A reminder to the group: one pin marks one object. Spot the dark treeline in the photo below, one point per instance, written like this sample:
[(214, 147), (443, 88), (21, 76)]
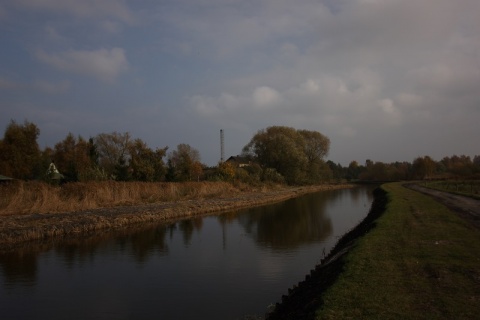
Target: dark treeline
[(422, 168), (277, 154)]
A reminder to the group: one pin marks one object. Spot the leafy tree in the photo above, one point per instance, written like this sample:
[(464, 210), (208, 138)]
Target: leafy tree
[(146, 164), (282, 149), (196, 170), (92, 151), (72, 158), (184, 164), (227, 170), (19, 152), (380, 171), (336, 169), (423, 167), (354, 170), (46, 157), (121, 172), (271, 175), (458, 165), (402, 170), (316, 145), (295, 154), (476, 164)]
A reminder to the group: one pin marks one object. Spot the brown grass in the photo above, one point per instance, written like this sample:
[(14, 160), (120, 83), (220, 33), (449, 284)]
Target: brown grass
[(21, 197), (38, 211)]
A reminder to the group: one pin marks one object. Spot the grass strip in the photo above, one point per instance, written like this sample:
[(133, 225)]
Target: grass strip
[(421, 261)]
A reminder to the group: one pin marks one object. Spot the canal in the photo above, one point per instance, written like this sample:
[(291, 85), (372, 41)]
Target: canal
[(230, 266)]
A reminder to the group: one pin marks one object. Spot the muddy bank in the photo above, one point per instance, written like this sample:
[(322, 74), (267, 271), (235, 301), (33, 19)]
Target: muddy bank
[(17, 229), (304, 299)]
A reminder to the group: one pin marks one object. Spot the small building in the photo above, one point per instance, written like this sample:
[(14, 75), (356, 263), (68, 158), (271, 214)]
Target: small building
[(5, 179), (239, 161), (53, 172)]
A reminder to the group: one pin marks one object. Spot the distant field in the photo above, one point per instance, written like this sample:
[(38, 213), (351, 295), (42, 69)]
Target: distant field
[(420, 262), (469, 188)]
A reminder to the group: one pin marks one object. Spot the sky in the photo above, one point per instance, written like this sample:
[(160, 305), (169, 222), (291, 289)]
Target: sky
[(385, 80)]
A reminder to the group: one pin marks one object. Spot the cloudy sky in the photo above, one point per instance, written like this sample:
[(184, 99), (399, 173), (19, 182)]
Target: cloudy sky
[(386, 80)]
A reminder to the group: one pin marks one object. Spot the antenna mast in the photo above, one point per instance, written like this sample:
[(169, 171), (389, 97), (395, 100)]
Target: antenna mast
[(222, 150)]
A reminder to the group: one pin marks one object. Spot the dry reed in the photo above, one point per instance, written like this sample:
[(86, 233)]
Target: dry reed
[(38, 211), (21, 197)]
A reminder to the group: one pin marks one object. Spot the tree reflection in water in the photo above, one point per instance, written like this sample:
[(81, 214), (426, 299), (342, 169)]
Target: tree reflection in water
[(283, 226), (294, 223)]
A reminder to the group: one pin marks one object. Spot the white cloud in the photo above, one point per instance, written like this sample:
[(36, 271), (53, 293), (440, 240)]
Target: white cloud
[(264, 97), (391, 113), (387, 106), (233, 28), (310, 86), (103, 64), (341, 104), (366, 73)]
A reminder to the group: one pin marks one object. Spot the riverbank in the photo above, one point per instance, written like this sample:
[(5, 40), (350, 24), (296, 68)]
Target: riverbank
[(18, 228), (412, 258), (303, 300)]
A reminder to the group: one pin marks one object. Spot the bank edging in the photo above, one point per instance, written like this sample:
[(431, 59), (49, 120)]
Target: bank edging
[(304, 299)]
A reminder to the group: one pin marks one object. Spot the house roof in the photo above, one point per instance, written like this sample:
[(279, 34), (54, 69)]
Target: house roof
[(238, 159)]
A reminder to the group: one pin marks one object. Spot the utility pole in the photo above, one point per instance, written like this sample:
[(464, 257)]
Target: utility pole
[(222, 150)]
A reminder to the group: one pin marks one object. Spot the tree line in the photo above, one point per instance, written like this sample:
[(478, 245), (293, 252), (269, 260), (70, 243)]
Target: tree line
[(422, 168), (276, 154), (107, 156)]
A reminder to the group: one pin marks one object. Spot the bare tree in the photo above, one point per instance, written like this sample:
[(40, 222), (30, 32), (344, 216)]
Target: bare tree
[(112, 149)]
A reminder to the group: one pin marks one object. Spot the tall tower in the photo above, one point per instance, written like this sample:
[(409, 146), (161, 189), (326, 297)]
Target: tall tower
[(222, 150)]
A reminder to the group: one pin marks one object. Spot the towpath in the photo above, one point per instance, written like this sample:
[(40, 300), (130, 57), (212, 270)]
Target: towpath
[(466, 207)]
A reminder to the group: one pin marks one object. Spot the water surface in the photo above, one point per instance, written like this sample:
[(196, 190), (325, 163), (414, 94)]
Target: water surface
[(215, 267)]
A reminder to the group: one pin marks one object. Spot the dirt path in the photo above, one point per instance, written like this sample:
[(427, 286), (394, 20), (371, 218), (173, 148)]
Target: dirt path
[(465, 207)]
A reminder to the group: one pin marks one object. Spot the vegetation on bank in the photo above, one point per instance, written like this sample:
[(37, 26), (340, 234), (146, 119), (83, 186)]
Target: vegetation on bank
[(26, 197), (277, 154), (469, 188), (55, 219), (419, 262)]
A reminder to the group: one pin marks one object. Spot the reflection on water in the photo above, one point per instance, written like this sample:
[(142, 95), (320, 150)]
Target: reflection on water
[(216, 267), (291, 224)]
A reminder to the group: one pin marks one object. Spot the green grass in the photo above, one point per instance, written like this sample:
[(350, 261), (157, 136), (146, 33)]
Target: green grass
[(469, 188), (420, 262)]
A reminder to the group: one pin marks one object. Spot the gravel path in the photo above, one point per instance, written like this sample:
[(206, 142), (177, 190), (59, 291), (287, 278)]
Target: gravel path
[(465, 207)]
